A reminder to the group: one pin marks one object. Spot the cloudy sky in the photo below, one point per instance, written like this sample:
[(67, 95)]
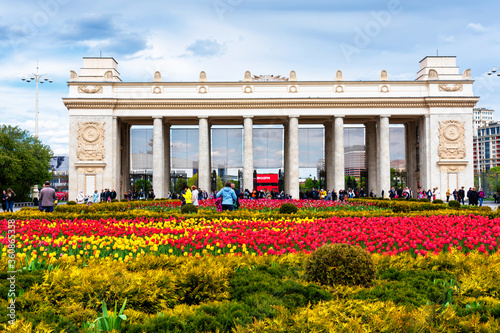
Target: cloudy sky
[(227, 37)]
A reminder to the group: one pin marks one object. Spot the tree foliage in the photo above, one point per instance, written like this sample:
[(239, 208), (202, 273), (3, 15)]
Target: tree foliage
[(24, 161)]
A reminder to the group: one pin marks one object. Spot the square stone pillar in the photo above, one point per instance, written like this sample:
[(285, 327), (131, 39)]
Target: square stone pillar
[(286, 157), (424, 144), (158, 158), (339, 153), (412, 148), (293, 160), (125, 178), (248, 153), (371, 157), (116, 183), (167, 165), (329, 156), (204, 154), (384, 155)]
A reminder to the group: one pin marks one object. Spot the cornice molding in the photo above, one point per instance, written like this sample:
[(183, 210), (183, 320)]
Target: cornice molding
[(319, 103)]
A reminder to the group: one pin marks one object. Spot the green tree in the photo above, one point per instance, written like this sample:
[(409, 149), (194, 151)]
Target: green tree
[(193, 180), (309, 183), (24, 161), (143, 184), (350, 182)]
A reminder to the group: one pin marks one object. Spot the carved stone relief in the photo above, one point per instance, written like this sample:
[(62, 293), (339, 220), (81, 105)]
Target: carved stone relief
[(455, 87), (451, 139), (90, 141), (87, 90)]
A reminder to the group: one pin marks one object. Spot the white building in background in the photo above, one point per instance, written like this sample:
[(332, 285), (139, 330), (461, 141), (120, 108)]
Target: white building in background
[(436, 110), (487, 147), (482, 117)]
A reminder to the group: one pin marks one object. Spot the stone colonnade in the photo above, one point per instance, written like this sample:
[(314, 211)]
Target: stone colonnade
[(377, 154)]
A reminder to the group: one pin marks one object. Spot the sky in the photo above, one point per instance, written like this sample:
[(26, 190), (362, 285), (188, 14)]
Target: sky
[(227, 37)]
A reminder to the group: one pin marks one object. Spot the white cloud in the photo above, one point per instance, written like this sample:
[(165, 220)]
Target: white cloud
[(476, 27)]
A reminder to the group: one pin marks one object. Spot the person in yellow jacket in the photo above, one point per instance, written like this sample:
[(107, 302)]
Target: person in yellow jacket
[(186, 195), (448, 193)]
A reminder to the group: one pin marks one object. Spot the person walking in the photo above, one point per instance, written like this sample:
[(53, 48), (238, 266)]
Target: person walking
[(186, 195), (448, 193), (95, 197), (4, 201), (461, 195), (236, 204), (194, 195), (10, 200), (80, 198), (480, 196), (228, 196), (47, 197)]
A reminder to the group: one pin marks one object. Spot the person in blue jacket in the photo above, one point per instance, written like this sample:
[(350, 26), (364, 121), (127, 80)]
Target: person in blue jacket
[(228, 196)]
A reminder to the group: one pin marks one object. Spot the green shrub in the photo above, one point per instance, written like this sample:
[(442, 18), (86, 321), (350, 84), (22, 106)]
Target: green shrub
[(409, 287), (71, 203), (114, 200), (340, 264), (189, 208), (424, 200), (438, 201), (123, 200), (412, 199), (288, 208), (454, 204), (485, 208)]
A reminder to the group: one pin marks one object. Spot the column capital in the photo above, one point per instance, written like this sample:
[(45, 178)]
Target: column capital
[(293, 116), (202, 117), (339, 116), (249, 117), (157, 117), (385, 116)]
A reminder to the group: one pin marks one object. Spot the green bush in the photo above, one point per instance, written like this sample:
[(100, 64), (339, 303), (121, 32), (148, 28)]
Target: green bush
[(288, 208), (424, 200), (340, 264), (189, 208), (438, 201), (412, 199), (71, 203), (123, 200), (485, 208), (454, 204), (408, 287), (114, 200)]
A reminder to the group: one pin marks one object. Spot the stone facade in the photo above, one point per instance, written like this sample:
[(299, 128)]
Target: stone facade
[(436, 110)]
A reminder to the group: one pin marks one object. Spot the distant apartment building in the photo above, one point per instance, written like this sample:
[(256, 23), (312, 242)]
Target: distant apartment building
[(354, 159), (482, 117), (486, 147)]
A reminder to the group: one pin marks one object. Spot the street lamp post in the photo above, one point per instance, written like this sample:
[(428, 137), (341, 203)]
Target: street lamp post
[(494, 70), (38, 78)]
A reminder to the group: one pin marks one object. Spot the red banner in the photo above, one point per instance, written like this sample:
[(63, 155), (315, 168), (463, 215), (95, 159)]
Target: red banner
[(267, 178), (270, 188)]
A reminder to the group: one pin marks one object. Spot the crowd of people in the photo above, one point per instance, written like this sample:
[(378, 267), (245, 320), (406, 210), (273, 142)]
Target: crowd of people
[(228, 197)]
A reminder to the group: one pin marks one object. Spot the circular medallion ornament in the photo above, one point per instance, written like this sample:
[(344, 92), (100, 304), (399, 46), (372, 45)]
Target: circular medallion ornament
[(91, 134), (452, 132)]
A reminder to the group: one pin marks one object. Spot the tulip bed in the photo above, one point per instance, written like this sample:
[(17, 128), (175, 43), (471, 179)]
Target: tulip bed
[(126, 239), (273, 205)]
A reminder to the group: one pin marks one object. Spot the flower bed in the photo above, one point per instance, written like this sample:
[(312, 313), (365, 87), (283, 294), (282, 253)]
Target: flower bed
[(127, 238)]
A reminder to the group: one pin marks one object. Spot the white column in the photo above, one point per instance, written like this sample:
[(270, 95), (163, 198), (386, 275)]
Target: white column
[(248, 153), (293, 152), (125, 159), (166, 148), (425, 177), (339, 153), (116, 156), (329, 156), (286, 157), (371, 157), (385, 155), (204, 154), (158, 158)]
